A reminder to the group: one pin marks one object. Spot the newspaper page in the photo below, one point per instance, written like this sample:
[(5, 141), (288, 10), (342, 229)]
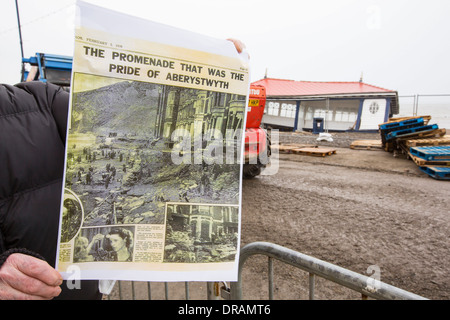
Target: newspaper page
[(152, 185)]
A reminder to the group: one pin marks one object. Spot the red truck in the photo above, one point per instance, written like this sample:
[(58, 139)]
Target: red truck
[(257, 141)]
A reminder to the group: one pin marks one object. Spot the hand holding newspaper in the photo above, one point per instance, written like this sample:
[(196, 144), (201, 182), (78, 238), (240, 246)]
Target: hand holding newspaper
[(152, 185)]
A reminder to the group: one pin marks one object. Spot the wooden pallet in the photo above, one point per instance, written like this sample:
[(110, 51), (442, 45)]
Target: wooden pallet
[(403, 124), (398, 119), (366, 144), (287, 148), (432, 153), (436, 166), (440, 173), (390, 146), (424, 135), (425, 163), (422, 162), (433, 141), (413, 132), (318, 151)]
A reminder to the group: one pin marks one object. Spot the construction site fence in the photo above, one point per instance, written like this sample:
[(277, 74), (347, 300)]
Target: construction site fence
[(436, 105), (368, 287)]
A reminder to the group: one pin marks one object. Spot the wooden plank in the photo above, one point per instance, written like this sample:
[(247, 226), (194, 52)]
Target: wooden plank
[(424, 134), (366, 144), (389, 146), (318, 152), (287, 148), (425, 118), (424, 163), (305, 149), (433, 141)]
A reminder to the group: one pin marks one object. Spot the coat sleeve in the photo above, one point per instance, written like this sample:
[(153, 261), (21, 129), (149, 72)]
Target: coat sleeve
[(57, 99), (60, 110)]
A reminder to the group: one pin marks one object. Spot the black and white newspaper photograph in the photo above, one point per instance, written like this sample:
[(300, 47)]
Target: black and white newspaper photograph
[(152, 182)]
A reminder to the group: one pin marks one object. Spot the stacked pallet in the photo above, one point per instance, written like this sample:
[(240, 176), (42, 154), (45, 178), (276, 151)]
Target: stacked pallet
[(426, 144)]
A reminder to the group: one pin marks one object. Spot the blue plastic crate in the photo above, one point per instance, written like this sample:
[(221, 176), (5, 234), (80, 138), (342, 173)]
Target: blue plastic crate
[(409, 131), (431, 153), (440, 173), (393, 126), (402, 124)]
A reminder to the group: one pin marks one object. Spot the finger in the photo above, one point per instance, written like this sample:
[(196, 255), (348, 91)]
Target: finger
[(9, 293), (239, 45), (35, 268), (24, 287)]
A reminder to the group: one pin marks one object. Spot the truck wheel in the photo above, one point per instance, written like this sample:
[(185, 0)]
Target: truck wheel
[(251, 170)]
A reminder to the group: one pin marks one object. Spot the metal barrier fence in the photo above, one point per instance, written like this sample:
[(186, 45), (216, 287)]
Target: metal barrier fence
[(367, 286), (424, 101), (435, 105), (132, 290)]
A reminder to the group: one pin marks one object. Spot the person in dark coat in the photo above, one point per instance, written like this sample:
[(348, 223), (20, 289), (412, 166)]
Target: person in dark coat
[(33, 125), (33, 122)]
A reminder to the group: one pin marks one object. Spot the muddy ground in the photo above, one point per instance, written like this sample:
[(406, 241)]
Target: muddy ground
[(355, 209), (358, 209)]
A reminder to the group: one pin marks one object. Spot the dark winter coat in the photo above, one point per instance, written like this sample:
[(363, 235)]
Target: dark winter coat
[(33, 121)]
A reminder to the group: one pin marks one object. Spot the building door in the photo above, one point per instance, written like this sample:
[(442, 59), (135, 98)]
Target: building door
[(372, 114)]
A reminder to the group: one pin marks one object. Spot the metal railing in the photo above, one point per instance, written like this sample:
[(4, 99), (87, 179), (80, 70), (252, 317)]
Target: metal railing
[(366, 286), (423, 110), (134, 290)]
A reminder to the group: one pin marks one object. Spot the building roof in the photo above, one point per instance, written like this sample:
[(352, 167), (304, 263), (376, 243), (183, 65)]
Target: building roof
[(291, 88)]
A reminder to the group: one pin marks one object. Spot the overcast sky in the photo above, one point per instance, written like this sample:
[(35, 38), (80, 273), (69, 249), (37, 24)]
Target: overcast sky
[(398, 44)]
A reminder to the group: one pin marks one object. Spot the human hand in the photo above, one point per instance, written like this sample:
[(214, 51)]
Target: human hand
[(98, 236), (238, 44), (23, 277)]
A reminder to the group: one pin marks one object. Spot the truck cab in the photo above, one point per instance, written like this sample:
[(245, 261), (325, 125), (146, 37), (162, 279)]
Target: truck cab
[(257, 149)]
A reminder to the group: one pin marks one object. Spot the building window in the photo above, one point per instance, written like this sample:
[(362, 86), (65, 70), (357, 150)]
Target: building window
[(287, 110), (309, 113), (319, 113), (322, 113), (345, 116), (273, 108)]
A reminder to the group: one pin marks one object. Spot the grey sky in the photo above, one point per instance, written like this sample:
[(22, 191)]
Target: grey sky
[(399, 44)]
